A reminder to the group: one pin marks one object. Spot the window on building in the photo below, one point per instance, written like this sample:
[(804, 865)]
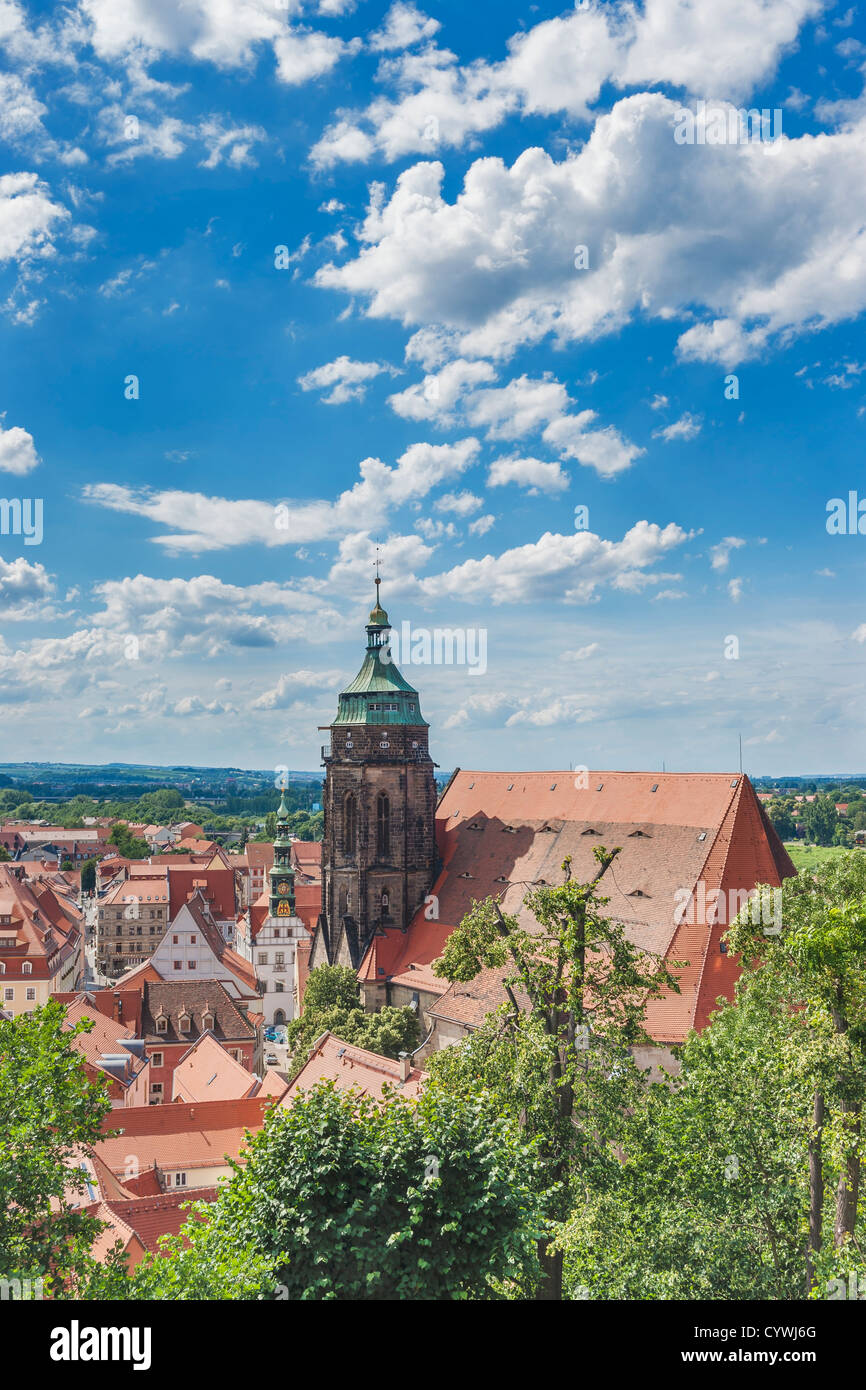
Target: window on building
[(350, 823), (180, 1179), (192, 964), (383, 826), (178, 964), (192, 940), (30, 994), (156, 1061), (162, 1024), (156, 1088), (175, 941), (262, 958), (27, 968), (8, 995), (279, 987)]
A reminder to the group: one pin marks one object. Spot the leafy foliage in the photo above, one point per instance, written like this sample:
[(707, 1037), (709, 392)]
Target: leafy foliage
[(50, 1111), (347, 1199), (332, 1001)]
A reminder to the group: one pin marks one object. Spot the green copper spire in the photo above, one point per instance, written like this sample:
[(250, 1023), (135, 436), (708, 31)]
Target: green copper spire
[(379, 694)]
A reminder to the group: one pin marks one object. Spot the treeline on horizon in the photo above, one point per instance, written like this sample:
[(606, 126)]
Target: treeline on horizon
[(167, 805)]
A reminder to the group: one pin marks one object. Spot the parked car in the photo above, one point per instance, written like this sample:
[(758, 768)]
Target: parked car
[(271, 1059)]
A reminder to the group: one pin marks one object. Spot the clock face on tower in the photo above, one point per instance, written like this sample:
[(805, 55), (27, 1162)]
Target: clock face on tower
[(282, 888)]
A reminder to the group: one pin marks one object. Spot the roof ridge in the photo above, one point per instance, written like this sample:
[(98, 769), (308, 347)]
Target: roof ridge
[(733, 804)]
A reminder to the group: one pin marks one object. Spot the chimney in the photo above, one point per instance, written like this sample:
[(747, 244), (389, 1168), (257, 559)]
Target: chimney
[(405, 1066)]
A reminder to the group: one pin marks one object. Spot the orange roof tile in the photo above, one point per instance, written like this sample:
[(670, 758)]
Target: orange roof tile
[(352, 1068)]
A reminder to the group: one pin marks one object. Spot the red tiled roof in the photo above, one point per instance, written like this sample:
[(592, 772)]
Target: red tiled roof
[(163, 1215), (207, 1072), (352, 1068), (308, 903), (218, 886), (260, 854), (501, 833), (186, 1136)]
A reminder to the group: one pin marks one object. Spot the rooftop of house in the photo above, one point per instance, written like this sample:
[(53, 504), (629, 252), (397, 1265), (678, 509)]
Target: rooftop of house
[(207, 1072), (180, 1136), (206, 1006), (35, 922), (104, 1041), (353, 1068)]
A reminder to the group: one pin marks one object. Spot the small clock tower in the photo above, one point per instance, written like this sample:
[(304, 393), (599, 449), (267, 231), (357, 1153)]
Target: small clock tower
[(282, 875)]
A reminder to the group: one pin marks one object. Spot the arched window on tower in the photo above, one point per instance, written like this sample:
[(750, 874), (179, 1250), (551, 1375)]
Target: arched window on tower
[(350, 823), (383, 826)]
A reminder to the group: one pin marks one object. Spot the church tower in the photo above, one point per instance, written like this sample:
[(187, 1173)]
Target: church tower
[(379, 850)]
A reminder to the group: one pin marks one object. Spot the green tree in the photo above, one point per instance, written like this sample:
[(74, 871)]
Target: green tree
[(88, 876), (576, 990), (782, 818), (210, 1259), (50, 1111), (347, 1199), (332, 1002), (818, 964), (819, 818), (710, 1198), (127, 844), (13, 797)]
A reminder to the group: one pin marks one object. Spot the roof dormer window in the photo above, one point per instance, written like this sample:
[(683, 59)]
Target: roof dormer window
[(183, 1021), (162, 1024)]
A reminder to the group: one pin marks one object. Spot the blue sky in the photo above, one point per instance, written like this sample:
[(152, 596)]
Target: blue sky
[(423, 363)]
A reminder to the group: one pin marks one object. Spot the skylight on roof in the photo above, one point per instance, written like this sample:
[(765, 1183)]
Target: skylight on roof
[(654, 787)]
